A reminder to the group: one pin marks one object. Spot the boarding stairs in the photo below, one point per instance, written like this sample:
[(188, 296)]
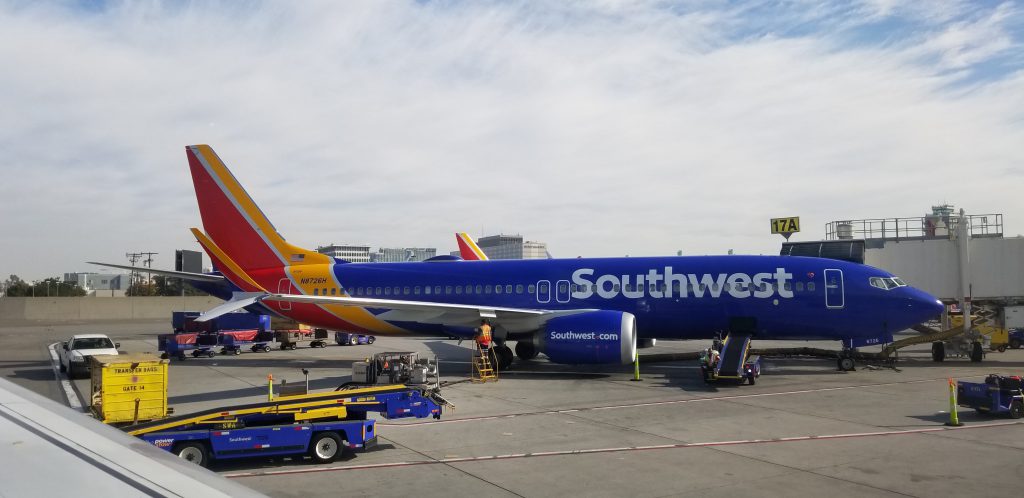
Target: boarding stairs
[(733, 356), (483, 369)]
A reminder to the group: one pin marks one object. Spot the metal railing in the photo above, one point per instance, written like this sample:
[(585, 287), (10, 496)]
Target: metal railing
[(921, 227)]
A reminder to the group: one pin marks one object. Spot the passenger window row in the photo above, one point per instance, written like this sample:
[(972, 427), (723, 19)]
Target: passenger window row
[(531, 289), (690, 288)]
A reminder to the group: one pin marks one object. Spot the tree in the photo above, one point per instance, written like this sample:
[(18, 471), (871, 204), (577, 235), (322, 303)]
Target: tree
[(52, 287), (16, 287)]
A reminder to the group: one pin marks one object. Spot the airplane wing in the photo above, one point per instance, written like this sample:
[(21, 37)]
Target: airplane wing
[(512, 319), (199, 277), (52, 450)]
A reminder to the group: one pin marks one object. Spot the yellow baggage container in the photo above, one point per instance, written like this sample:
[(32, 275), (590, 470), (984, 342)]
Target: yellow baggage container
[(128, 388)]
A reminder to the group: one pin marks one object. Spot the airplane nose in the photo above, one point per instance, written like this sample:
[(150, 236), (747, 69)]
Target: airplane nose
[(924, 306)]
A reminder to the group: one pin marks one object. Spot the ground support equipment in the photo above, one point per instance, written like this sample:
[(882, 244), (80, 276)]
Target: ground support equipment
[(395, 367), (352, 339), (176, 345), (483, 369), (998, 395), (733, 363), (319, 424), (232, 341)]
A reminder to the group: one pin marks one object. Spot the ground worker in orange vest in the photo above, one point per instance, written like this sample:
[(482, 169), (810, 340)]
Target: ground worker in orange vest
[(483, 335)]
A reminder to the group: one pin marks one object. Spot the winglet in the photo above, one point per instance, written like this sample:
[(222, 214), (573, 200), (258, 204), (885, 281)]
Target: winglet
[(468, 249)]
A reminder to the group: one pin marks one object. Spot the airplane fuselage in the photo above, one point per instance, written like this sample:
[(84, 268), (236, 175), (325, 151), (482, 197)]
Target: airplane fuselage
[(779, 297)]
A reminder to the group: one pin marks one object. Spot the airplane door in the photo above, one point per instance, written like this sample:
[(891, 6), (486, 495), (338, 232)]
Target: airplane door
[(543, 291), (284, 286), (834, 292), (562, 291)]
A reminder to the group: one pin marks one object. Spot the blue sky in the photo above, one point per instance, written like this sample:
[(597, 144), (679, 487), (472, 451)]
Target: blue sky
[(603, 127)]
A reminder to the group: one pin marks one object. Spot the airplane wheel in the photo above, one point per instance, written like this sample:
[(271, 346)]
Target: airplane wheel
[(505, 357), (938, 351), (526, 350), (977, 353), (846, 364)]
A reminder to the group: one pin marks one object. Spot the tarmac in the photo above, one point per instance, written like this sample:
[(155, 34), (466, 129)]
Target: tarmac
[(805, 429)]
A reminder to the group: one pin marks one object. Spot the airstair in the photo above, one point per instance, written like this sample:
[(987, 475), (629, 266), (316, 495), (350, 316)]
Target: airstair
[(483, 369)]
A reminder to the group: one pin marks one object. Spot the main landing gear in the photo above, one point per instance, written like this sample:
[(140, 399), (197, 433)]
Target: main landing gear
[(502, 356), (525, 350)]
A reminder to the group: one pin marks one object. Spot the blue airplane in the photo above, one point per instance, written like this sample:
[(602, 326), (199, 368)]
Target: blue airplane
[(584, 310)]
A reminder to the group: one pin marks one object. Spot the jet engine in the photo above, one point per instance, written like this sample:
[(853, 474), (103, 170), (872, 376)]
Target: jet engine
[(591, 337)]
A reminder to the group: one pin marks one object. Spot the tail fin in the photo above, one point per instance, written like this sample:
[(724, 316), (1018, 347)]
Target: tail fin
[(234, 222), (226, 265), (468, 249)]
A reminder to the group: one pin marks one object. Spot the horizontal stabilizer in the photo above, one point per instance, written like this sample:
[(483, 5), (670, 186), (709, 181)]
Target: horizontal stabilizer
[(198, 277), (238, 301)]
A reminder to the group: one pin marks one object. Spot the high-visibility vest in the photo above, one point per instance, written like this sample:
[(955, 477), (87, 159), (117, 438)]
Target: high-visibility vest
[(485, 335)]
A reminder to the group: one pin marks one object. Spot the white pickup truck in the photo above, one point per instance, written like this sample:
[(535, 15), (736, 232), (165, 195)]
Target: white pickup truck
[(74, 354)]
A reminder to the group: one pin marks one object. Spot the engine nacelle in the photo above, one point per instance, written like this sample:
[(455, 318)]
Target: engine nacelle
[(591, 337)]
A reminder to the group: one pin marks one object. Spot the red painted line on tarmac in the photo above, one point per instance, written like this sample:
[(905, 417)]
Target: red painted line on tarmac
[(618, 450), (655, 403)]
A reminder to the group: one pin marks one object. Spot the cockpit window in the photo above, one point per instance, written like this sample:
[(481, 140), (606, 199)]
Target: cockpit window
[(886, 283)]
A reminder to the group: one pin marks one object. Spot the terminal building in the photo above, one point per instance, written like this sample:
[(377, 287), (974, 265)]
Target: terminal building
[(362, 253), (399, 254), (511, 247), (100, 284), (954, 256), (352, 253)]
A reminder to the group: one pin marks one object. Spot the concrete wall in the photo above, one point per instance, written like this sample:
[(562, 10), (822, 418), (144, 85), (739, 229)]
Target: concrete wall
[(996, 267), (75, 309)]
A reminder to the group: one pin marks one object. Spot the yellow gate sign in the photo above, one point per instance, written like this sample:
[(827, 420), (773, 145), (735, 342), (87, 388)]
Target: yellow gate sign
[(786, 226)]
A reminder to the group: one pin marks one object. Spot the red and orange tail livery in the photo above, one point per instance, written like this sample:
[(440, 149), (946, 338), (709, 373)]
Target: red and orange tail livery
[(233, 221), (468, 249)]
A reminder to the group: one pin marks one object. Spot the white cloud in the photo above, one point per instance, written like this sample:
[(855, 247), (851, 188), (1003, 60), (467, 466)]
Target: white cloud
[(604, 129)]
